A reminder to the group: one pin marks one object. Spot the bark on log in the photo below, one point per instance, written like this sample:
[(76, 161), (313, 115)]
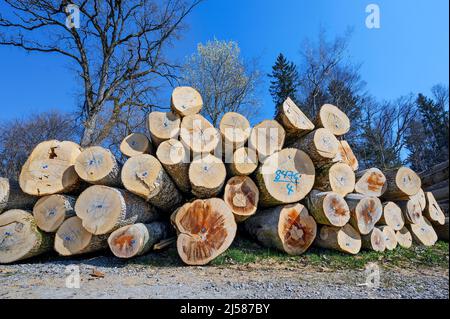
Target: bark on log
[(345, 239), (412, 210), (136, 144), (371, 182), (143, 175), (423, 233), (198, 134), (186, 101), (404, 238), (242, 196), (441, 193), (285, 177), (207, 175), (235, 131), (436, 186), (51, 211), (333, 119), (328, 208), (50, 169), (345, 155), (12, 197), (288, 228), (337, 177), (294, 121), (206, 228), (442, 231), (266, 138), (436, 174), (244, 162), (401, 183), (20, 238), (433, 211), (392, 216), (390, 238), (163, 126), (104, 209), (375, 240), (365, 212)]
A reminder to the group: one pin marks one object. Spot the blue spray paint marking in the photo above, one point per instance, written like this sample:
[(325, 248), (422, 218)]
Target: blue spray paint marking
[(289, 177)]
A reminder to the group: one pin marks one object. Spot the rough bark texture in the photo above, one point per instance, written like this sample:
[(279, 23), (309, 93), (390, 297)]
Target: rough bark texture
[(242, 196), (51, 211), (345, 239), (442, 230), (328, 208), (335, 177), (12, 197)]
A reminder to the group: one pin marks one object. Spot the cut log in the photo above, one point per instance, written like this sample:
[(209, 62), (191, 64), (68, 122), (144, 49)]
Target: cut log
[(288, 228), (375, 240), (404, 238), (242, 196), (20, 238), (235, 131), (328, 208), (97, 165), (412, 210), (371, 182), (51, 211), (390, 238), (72, 239), (50, 169), (337, 177), (294, 121), (433, 211), (344, 239), (186, 101), (285, 177), (401, 183), (163, 126), (12, 197), (392, 216), (345, 155), (267, 138), (365, 212), (441, 193), (104, 209), (434, 175), (198, 134), (421, 199), (135, 240), (175, 159), (423, 233), (333, 119), (442, 230), (207, 175), (136, 144), (321, 145), (245, 162), (433, 187), (206, 228), (143, 175)]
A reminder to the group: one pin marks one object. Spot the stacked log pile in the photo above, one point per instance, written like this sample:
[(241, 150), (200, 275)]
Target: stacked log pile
[(291, 182)]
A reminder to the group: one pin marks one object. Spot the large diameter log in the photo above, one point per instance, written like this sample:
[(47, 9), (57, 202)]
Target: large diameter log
[(207, 175), (135, 240), (136, 144), (244, 162), (294, 121), (371, 182), (365, 212), (434, 175), (442, 231), (321, 145), (412, 210), (401, 183), (285, 177), (392, 216), (198, 134), (333, 119), (423, 233), (242, 196), (235, 131), (345, 155), (328, 208), (73, 239), (143, 175), (175, 159), (206, 228), (51, 211), (12, 197), (345, 239), (433, 211), (97, 165), (404, 238), (20, 238), (163, 126), (288, 228), (104, 209), (267, 138), (390, 238), (375, 240), (338, 178), (186, 101), (50, 169)]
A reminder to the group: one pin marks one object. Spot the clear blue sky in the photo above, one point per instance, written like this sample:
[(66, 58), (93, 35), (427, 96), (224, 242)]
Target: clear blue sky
[(410, 52)]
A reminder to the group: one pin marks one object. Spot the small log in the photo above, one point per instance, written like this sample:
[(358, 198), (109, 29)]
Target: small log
[(206, 228), (51, 211), (207, 175), (392, 216), (404, 238), (328, 208), (12, 197), (285, 177), (371, 182), (337, 177), (423, 233), (401, 183), (333, 119), (294, 121), (266, 138), (345, 155), (242, 196), (143, 175), (288, 228), (72, 239), (186, 101), (198, 134), (50, 169), (412, 210), (344, 239), (375, 240), (365, 212), (244, 162), (20, 238), (135, 240), (389, 237), (442, 230), (104, 209), (97, 165), (175, 159), (136, 144), (163, 126), (235, 131), (433, 211)]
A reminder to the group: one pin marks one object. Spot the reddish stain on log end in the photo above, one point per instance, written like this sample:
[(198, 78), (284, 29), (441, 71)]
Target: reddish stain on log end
[(124, 241), (375, 182)]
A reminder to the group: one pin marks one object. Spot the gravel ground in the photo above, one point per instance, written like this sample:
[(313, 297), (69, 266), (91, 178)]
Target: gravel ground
[(119, 279)]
